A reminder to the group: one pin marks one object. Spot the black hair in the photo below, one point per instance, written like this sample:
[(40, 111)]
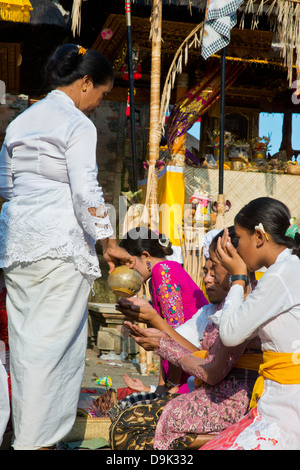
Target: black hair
[(275, 218), (66, 65), (233, 238), (141, 239)]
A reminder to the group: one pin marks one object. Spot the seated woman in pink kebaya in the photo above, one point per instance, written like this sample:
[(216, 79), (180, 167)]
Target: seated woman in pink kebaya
[(175, 296)]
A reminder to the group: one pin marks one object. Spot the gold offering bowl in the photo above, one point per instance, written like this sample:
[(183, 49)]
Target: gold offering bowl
[(259, 154), (124, 281)]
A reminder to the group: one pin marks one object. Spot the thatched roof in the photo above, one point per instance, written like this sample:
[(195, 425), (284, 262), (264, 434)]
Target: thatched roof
[(284, 20), (189, 4)]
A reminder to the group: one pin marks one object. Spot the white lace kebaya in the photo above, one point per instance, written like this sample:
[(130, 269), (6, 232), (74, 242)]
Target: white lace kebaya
[(48, 175)]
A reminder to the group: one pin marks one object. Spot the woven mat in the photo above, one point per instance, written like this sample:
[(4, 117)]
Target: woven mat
[(240, 187)]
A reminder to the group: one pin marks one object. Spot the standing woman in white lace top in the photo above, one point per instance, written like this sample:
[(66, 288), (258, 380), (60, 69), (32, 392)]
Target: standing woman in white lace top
[(54, 213)]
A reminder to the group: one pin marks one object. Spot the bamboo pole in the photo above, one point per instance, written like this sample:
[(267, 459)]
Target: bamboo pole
[(154, 128)]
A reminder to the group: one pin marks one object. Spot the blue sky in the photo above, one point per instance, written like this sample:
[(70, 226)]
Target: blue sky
[(272, 123), (269, 124)]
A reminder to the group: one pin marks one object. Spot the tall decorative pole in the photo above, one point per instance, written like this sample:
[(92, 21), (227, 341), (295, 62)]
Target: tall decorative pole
[(154, 125), (221, 197), (154, 142), (131, 92)]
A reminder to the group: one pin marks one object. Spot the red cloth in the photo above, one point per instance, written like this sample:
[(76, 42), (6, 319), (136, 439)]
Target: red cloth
[(225, 440), (4, 328), (124, 392), (3, 319)]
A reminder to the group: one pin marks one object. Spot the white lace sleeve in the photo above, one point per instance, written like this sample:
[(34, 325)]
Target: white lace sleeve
[(87, 195), (240, 319), (6, 184)]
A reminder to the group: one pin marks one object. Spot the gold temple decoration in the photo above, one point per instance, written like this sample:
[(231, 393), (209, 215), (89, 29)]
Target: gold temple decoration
[(15, 10), (252, 61)]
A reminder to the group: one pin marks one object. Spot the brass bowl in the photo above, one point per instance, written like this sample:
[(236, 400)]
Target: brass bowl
[(124, 281)]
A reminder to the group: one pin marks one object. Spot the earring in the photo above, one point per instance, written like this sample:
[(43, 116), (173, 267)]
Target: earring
[(84, 89), (149, 267)]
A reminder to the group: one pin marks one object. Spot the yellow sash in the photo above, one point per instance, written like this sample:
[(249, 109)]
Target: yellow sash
[(203, 354), (283, 368), (249, 361), (246, 361)]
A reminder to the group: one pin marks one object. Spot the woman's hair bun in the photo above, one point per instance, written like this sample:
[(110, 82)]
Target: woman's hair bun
[(71, 62), (66, 60)]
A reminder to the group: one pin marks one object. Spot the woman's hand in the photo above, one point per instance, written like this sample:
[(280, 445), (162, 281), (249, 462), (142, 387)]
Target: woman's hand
[(135, 384), (137, 309), (113, 254), (229, 256), (148, 338)]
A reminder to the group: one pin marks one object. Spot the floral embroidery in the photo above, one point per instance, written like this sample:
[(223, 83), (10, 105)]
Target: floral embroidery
[(170, 297)]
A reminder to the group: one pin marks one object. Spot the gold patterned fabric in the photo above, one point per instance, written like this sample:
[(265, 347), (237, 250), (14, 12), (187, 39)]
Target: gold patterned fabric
[(134, 427)]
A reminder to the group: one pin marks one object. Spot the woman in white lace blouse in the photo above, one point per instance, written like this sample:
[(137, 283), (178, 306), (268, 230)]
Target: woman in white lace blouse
[(54, 213), (267, 237)]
